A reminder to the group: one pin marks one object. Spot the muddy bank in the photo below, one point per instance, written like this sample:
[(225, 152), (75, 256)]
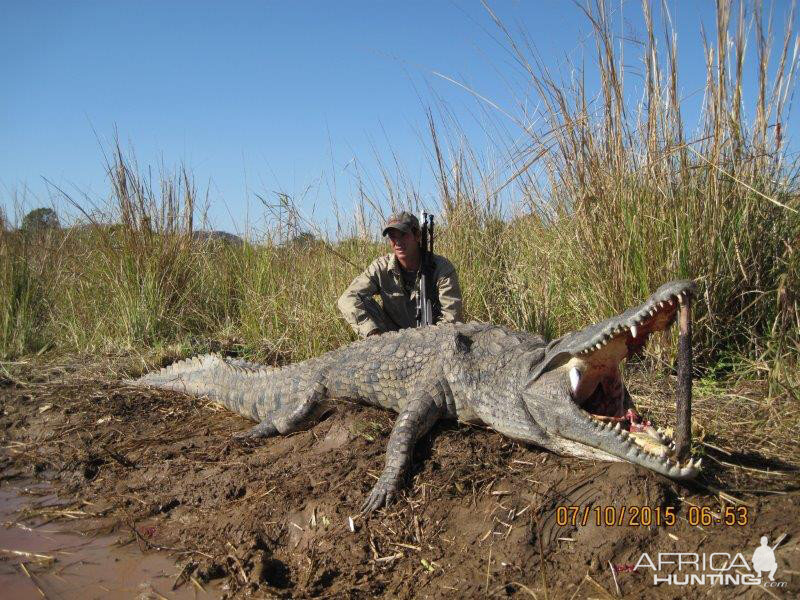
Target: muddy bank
[(479, 517), (45, 554)]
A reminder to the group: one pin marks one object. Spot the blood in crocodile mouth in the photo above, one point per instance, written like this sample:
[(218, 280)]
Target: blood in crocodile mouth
[(605, 403), (631, 421), (606, 409)]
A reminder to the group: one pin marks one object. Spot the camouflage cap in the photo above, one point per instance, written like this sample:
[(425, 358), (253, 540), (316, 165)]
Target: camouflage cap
[(402, 221)]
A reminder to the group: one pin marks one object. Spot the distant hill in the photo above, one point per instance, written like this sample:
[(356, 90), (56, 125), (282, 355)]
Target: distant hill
[(201, 236), (81, 228), (217, 235)]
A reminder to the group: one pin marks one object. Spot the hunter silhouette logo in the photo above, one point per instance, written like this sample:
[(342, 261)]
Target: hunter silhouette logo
[(764, 558)]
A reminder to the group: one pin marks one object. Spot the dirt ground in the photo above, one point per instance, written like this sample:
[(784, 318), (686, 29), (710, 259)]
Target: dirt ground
[(478, 518)]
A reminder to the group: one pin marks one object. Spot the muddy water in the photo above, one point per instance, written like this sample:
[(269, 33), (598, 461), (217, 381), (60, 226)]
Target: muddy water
[(72, 566)]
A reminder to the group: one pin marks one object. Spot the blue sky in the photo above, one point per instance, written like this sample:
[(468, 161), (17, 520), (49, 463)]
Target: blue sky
[(261, 97)]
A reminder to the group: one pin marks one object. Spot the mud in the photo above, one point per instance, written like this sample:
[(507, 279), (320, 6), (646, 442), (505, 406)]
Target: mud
[(479, 517), (56, 560)]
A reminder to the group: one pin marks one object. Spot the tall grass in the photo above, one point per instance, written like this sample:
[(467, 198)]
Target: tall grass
[(21, 288), (623, 196), (611, 199), (129, 282)]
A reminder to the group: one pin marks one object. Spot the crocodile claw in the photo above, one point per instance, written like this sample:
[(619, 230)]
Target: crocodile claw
[(381, 495), (262, 430)]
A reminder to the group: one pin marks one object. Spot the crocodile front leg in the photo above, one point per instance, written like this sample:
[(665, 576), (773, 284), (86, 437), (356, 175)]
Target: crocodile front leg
[(414, 421)]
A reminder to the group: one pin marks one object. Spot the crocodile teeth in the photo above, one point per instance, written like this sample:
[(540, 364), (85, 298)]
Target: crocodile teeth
[(652, 311), (661, 304), (692, 464), (574, 378), (680, 297), (633, 331), (598, 346), (617, 427)]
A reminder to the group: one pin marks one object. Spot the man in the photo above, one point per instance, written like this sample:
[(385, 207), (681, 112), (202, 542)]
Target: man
[(764, 559), (394, 277)]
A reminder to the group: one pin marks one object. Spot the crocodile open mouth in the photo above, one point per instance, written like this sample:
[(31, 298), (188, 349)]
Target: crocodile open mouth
[(632, 329), (597, 388)]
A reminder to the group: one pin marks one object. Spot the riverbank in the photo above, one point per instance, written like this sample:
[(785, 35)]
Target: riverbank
[(478, 518)]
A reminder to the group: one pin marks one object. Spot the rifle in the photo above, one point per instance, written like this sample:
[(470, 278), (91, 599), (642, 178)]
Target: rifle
[(429, 310)]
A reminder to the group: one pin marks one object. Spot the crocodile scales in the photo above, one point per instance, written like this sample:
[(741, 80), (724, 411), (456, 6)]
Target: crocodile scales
[(566, 396)]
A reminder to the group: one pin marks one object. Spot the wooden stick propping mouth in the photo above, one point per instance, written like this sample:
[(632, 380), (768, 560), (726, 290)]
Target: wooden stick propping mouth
[(683, 429)]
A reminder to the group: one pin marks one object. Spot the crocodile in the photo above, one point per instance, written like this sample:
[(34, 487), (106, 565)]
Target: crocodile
[(566, 396)]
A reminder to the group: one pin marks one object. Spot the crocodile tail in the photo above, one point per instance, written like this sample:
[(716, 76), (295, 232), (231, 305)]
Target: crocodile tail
[(212, 376)]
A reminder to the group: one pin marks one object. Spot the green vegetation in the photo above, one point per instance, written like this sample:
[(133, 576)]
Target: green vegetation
[(40, 219), (614, 200), (23, 297)]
